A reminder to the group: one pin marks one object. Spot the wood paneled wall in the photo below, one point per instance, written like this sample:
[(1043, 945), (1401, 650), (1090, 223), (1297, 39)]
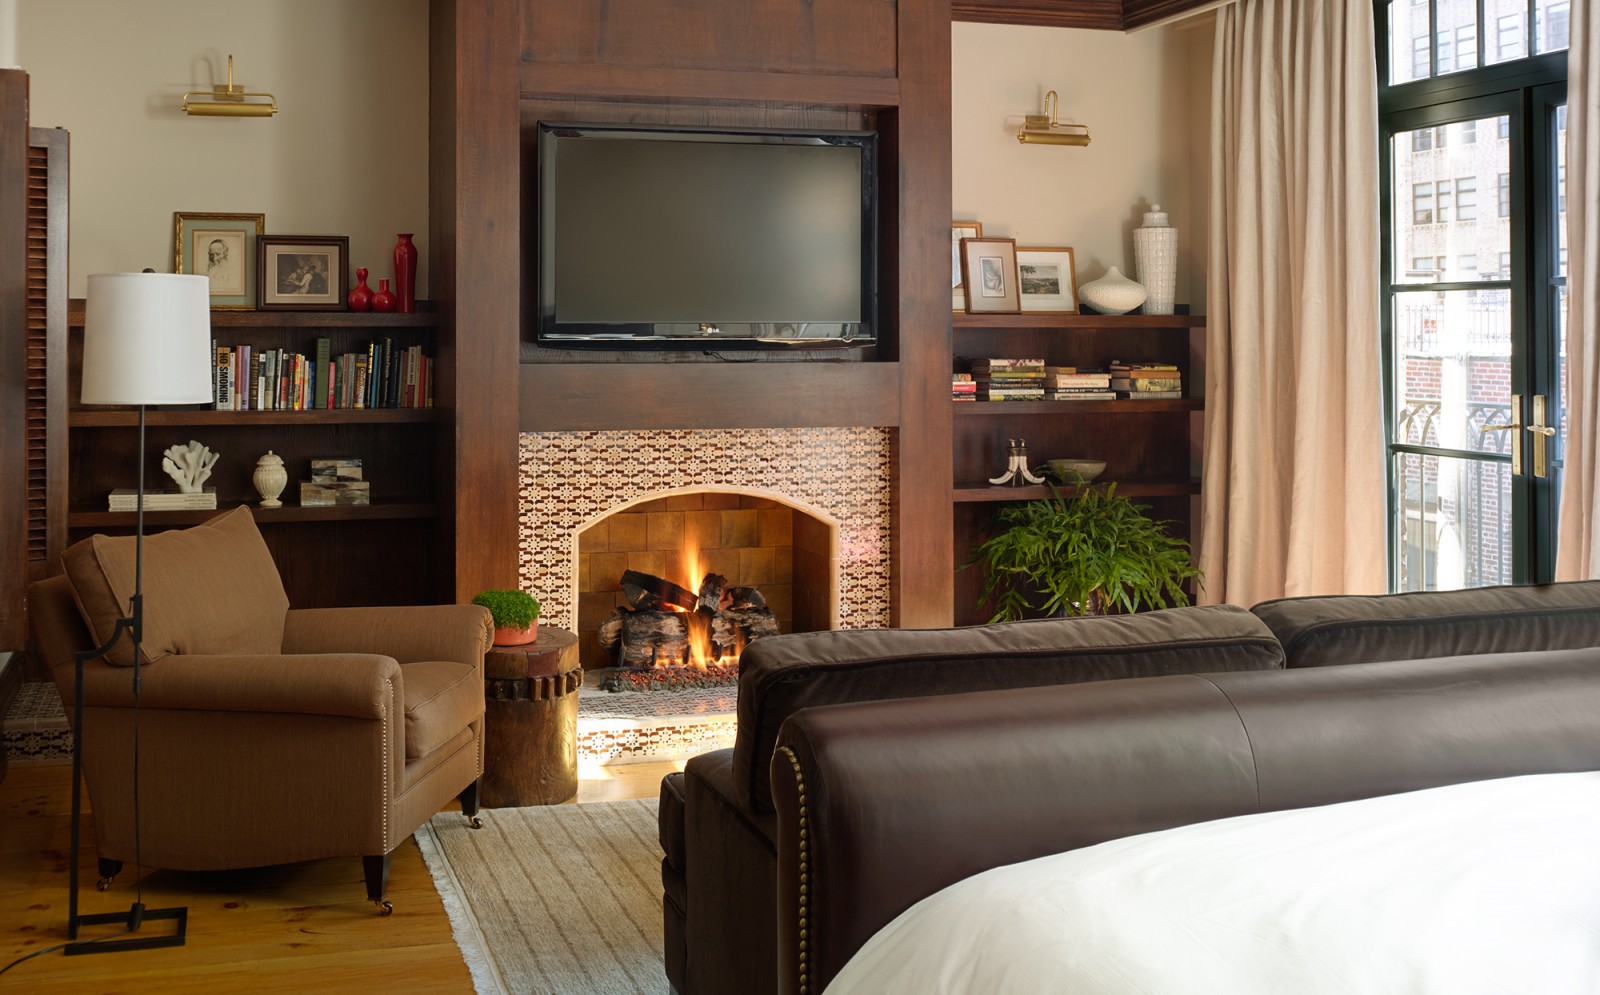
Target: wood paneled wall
[(831, 64)]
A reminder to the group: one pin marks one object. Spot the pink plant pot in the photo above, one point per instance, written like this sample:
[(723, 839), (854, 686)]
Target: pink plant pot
[(506, 636)]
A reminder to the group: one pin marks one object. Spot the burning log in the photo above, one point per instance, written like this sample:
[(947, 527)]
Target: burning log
[(647, 592), (664, 621)]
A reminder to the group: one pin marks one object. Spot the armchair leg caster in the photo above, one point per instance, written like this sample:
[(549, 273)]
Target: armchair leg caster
[(376, 870), (469, 805), (108, 872)]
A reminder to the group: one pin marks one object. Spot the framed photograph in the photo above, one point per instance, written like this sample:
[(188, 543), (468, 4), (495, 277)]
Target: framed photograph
[(1048, 279), (223, 248), (989, 271), (958, 231), (303, 272)]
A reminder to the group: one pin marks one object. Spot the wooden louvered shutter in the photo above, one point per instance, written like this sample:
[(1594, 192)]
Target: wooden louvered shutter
[(46, 422)]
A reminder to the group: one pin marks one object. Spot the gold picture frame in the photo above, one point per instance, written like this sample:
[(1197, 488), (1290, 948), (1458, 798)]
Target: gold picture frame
[(223, 248), (958, 290), (989, 271)]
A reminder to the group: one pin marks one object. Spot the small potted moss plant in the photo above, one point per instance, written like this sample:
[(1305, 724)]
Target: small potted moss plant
[(515, 613), (1091, 552)]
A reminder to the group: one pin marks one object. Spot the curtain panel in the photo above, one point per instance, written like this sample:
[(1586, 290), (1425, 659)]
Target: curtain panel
[(1293, 486), (1578, 542)]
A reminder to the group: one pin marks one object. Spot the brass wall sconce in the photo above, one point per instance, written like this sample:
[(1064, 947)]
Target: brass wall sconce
[(229, 101), (1044, 129)]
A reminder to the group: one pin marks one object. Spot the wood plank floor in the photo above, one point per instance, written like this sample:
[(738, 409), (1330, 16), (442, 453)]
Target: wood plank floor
[(300, 928)]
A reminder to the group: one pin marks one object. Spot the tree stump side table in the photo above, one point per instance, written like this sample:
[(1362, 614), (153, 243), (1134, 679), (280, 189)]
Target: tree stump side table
[(531, 721)]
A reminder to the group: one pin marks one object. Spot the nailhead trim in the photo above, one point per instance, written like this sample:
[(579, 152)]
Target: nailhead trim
[(805, 870), (387, 774)]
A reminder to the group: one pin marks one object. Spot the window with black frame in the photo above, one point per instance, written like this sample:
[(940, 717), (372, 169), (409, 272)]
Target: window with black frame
[(1472, 101)]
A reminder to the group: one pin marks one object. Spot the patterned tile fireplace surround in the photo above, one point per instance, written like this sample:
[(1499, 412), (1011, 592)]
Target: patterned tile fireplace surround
[(836, 481)]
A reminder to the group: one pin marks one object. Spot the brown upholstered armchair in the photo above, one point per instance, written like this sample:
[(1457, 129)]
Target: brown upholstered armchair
[(266, 735)]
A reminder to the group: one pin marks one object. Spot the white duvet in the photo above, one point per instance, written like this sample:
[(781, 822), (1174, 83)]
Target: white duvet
[(1492, 886)]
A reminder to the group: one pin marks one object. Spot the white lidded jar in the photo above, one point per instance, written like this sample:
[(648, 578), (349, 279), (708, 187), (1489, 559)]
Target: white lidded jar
[(1155, 254), (270, 479)]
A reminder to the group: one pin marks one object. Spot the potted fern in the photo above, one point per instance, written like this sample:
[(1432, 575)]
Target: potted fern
[(515, 614), (1091, 552)]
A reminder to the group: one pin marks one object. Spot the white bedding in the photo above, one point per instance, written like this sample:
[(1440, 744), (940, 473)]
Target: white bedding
[(1492, 886)]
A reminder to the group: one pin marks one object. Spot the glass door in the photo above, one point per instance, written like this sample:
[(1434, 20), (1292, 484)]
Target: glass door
[(1474, 292)]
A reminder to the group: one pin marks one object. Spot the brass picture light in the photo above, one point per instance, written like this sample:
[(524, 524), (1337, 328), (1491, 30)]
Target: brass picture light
[(229, 101), (1044, 129)]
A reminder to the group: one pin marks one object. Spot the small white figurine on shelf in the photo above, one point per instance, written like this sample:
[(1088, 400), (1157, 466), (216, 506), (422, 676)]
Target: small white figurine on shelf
[(1017, 472), (270, 479), (189, 465)]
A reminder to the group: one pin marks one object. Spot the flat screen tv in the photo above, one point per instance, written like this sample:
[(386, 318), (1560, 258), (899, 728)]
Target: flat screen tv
[(701, 238)]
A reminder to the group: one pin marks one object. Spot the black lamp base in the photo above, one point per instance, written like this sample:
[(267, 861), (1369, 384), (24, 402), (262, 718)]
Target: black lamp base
[(132, 941)]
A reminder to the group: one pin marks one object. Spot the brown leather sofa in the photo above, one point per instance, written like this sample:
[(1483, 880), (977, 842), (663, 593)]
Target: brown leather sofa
[(860, 787), (266, 735), (717, 823)]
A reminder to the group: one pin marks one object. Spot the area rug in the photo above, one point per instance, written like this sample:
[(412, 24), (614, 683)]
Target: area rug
[(553, 900)]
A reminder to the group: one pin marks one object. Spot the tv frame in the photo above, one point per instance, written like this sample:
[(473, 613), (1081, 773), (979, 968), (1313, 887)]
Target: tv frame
[(681, 335)]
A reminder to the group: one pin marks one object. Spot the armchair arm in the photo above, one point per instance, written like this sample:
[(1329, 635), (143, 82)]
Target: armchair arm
[(459, 633), (353, 685)]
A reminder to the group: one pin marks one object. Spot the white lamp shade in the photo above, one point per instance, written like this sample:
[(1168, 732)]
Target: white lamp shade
[(147, 339)]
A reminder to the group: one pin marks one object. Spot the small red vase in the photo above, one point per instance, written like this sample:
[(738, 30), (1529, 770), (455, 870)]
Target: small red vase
[(360, 298), (405, 274), (383, 300)]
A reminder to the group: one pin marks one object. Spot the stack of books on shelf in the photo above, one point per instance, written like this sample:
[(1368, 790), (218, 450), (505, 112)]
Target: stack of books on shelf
[(1068, 383), (127, 499), (248, 379), (963, 387), (1146, 381), (1009, 379)]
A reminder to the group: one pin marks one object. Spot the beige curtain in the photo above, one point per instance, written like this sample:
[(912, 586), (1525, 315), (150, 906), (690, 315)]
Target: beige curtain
[(1293, 491), (1578, 549)]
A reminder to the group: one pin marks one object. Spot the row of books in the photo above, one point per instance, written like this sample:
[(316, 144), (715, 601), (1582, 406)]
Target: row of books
[(248, 379), (1032, 379)]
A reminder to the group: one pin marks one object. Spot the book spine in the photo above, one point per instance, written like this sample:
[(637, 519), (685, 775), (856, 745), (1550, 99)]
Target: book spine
[(222, 370), (324, 351), (361, 381)]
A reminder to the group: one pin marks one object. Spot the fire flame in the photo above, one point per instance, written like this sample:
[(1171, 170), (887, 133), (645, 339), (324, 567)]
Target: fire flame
[(699, 626)]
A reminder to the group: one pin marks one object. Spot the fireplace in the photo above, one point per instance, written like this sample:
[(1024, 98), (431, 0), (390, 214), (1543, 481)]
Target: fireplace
[(801, 514)]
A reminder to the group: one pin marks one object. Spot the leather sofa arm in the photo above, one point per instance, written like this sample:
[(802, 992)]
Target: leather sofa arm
[(352, 685), (458, 633)]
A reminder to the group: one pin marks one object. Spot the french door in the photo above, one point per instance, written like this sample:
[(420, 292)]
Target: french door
[(1474, 330)]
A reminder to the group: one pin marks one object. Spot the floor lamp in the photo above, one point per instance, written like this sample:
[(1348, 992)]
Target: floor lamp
[(146, 340)]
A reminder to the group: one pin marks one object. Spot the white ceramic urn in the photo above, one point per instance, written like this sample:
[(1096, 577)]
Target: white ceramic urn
[(1112, 293), (1155, 253), (270, 479)]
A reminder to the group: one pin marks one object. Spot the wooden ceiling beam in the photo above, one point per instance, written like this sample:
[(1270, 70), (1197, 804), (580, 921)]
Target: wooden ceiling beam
[(1101, 15)]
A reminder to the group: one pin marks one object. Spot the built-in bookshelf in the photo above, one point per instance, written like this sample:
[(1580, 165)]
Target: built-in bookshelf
[(1151, 447), (380, 553)]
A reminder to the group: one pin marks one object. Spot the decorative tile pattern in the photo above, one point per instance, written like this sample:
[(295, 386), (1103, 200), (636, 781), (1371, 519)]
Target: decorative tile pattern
[(35, 728), (571, 479), (614, 743)]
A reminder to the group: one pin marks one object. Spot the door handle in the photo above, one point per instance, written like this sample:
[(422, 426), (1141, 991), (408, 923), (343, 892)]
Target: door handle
[(1515, 428), (1542, 433)]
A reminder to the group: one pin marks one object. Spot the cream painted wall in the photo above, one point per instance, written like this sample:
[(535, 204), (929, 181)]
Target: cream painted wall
[(1145, 98), (347, 153)]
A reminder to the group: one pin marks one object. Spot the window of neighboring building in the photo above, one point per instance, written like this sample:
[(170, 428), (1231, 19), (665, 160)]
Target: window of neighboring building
[(1422, 203), (1467, 201), (1504, 194)]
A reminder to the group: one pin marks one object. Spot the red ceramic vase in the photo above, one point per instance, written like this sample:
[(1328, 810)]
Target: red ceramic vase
[(405, 274), (384, 299), (360, 298)]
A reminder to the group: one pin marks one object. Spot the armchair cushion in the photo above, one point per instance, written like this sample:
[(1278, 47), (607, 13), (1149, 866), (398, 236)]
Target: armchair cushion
[(208, 590), (441, 699)]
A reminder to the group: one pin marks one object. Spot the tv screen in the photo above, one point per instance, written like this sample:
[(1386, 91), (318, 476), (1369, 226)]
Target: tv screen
[(691, 237)]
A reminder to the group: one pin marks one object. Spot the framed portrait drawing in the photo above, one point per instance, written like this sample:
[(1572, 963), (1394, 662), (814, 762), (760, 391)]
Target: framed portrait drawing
[(303, 272), (221, 247), (958, 231), (989, 271), (1047, 279)]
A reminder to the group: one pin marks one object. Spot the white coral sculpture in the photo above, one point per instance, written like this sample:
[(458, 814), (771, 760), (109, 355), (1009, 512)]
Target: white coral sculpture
[(188, 465)]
